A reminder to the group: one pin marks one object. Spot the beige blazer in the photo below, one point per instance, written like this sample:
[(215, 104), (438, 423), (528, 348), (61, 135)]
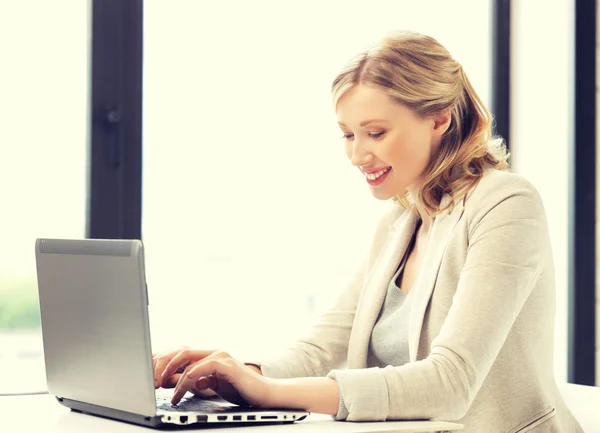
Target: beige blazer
[(481, 328)]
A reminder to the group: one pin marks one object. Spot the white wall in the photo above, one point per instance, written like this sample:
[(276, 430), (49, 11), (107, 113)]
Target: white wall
[(539, 132)]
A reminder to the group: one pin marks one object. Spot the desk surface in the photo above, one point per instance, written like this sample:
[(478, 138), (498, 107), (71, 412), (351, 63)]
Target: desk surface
[(41, 413)]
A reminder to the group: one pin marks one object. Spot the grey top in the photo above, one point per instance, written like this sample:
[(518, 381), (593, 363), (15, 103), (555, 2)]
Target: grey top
[(389, 339)]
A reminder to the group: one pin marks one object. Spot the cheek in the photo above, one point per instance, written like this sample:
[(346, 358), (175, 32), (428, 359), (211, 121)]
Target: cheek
[(398, 151), (408, 154)]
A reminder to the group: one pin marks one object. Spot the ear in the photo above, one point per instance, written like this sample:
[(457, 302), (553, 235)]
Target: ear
[(441, 122)]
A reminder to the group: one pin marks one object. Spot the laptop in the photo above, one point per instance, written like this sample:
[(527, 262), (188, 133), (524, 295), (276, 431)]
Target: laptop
[(96, 336)]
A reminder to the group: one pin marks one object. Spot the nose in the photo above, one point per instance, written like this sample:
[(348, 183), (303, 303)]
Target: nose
[(358, 153)]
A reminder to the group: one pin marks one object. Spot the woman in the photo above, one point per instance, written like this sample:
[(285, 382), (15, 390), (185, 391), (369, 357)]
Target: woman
[(451, 316)]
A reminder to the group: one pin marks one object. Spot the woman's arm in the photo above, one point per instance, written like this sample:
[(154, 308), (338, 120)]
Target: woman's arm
[(312, 394), (509, 244), (243, 384)]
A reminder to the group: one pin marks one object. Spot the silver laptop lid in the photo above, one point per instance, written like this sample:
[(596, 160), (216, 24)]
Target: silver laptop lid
[(93, 303)]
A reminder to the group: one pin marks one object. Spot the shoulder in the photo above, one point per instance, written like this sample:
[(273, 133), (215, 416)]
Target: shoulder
[(497, 184), (502, 194)]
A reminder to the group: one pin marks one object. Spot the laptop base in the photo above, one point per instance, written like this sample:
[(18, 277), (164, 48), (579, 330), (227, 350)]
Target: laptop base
[(156, 421), (106, 412)]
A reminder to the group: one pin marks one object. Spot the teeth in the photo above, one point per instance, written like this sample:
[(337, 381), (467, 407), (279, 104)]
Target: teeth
[(373, 176)]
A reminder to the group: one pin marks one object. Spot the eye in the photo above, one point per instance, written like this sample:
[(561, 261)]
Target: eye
[(375, 135)]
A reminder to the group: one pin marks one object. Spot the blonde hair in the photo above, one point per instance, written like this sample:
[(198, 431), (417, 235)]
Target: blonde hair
[(418, 72)]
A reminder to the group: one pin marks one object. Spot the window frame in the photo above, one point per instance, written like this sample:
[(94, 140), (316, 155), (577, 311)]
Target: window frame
[(114, 208)]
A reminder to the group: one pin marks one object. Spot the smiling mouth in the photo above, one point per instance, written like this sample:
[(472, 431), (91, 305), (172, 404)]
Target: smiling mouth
[(377, 175), (376, 179)]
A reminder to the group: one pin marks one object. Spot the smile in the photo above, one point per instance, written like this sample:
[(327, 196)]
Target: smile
[(373, 176), (375, 179)]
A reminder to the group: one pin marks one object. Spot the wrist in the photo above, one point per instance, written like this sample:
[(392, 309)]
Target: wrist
[(318, 395)]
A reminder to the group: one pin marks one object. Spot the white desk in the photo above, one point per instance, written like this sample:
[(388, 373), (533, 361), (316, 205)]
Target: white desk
[(43, 414)]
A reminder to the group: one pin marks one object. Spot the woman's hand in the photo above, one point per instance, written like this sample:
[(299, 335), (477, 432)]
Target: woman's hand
[(207, 373), (160, 362)]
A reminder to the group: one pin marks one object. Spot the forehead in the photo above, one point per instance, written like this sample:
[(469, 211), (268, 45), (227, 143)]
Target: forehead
[(363, 102)]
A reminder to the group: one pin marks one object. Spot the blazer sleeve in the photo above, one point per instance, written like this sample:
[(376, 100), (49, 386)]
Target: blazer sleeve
[(325, 346), (509, 243)]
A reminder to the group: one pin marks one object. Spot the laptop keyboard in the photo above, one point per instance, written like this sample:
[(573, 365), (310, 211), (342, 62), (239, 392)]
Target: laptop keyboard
[(193, 404)]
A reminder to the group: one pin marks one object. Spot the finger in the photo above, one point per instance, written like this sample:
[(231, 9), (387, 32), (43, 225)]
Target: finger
[(206, 383), (175, 364), (221, 368), (184, 357), (171, 381), (218, 367), (206, 393), (184, 384), (205, 387), (160, 363), (199, 389), (188, 380)]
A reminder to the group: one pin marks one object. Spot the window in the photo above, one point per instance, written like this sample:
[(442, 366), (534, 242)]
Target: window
[(42, 165), (252, 216), (529, 90)]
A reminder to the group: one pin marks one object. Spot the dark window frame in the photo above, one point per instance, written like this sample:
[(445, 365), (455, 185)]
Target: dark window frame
[(114, 207), (501, 44), (582, 199)]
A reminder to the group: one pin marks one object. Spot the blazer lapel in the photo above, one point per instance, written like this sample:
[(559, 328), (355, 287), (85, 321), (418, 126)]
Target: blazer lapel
[(441, 230), (378, 279)]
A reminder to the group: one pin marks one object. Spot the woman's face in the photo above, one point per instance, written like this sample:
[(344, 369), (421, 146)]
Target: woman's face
[(387, 141)]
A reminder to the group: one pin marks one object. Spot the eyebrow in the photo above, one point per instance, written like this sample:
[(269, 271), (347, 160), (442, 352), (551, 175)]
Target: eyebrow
[(366, 122)]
